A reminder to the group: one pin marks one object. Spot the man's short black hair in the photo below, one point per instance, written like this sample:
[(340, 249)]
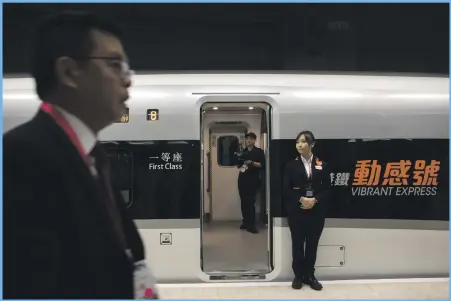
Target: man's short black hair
[(251, 135), (63, 34)]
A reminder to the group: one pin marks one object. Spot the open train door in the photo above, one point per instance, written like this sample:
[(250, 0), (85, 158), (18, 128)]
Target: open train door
[(228, 252)]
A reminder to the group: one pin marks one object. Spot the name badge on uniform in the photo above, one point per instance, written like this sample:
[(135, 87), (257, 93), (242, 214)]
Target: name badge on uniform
[(309, 191), (318, 167), (144, 282)]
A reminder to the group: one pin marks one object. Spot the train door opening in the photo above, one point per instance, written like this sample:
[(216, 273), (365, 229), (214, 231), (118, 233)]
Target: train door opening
[(227, 250)]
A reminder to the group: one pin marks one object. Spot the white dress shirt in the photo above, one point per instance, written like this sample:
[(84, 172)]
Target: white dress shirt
[(86, 136), (307, 165)]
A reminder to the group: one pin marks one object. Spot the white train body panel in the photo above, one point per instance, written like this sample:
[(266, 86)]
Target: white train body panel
[(383, 107), (332, 107)]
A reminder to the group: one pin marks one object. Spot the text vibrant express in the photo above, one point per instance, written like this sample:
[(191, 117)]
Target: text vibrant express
[(398, 191)]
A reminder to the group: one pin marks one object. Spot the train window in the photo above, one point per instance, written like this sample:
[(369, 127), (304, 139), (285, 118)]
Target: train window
[(122, 172), (227, 146), (150, 192)]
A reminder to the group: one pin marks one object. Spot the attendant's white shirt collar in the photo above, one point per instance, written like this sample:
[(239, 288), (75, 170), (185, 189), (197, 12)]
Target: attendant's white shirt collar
[(307, 164), (307, 161), (87, 137)]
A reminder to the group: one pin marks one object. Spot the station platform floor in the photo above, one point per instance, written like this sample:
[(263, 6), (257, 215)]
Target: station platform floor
[(424, 288)]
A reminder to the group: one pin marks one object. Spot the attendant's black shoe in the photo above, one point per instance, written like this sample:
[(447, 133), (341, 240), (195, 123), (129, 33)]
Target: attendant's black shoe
[(252, 230), (313, 283), (297, 283), (243, 227)]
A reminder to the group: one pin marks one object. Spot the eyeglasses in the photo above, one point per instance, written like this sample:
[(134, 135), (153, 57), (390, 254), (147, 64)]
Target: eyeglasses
[(125, 70)]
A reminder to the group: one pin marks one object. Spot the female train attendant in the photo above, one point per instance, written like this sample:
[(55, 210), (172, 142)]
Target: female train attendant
[(306, 184)]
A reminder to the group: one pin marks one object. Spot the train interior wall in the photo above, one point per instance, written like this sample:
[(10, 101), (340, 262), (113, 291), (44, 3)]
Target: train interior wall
[(227, 248)]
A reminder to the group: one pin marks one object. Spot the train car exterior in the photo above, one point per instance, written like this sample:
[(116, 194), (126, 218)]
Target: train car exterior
[(386, 139)]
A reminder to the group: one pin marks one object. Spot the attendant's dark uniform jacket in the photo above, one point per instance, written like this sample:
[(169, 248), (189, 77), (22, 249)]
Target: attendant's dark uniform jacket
[(295, 180)]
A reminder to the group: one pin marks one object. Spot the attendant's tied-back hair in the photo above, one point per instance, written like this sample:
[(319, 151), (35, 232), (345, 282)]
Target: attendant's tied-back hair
[(309, 137)]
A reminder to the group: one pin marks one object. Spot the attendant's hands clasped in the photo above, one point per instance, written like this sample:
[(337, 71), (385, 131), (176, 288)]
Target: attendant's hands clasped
[(307, 203)]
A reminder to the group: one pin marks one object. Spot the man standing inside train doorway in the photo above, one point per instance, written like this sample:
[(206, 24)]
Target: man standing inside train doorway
[(252, 160)]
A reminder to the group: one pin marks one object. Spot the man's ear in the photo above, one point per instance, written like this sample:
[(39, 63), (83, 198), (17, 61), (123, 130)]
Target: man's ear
[(67, 71)]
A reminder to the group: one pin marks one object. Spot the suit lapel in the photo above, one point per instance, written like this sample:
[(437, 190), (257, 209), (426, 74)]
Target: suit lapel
[(70, 157), (302, 168), (314, 170)]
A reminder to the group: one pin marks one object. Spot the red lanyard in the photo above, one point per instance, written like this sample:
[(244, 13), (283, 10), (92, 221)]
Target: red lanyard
[(67, 128)]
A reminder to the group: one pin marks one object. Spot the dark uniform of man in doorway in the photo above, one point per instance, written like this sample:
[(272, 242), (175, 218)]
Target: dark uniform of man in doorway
[(252, 161)]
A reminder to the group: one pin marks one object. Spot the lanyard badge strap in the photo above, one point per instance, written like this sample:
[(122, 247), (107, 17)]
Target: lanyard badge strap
[(67, 128)]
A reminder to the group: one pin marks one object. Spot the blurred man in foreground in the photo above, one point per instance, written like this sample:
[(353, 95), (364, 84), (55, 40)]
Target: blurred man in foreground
[(67, 233)]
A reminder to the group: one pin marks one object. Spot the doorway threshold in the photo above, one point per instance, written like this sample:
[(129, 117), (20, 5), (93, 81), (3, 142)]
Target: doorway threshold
[(238, 276)]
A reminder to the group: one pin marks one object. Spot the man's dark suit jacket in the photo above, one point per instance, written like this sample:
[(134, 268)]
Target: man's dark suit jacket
[(58, 241)]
